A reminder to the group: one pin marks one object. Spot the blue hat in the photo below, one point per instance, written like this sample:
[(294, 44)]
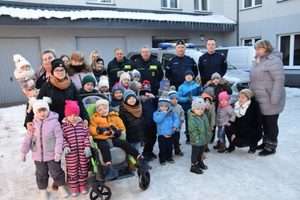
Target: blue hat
[(173, 94), (127, 94), (116, 87), (189, 72), (164, 101)]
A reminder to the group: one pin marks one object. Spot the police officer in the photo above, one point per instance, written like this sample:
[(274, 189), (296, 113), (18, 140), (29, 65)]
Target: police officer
[(179, 65), (150, 69), (211, 62), (119, 64)]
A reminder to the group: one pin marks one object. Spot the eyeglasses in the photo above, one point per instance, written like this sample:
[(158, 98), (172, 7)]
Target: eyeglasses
[(59, 71)]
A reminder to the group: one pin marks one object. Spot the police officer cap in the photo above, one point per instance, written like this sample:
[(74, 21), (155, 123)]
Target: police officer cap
[(180, 42)]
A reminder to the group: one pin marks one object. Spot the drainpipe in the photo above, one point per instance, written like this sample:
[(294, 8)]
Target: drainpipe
[(237, 22)]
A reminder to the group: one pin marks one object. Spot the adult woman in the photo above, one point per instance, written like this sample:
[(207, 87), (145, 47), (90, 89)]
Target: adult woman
[(44, 71), (98, 68), (246, 129), (93, 56), (267, 84)]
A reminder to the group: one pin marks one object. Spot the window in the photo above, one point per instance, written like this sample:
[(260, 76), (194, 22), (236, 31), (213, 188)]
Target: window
[(101, 1), (290, 48), (201, 5), (169, 4), (250, 41), (251, 3)]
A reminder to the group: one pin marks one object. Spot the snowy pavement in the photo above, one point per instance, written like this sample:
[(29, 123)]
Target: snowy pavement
[(238, 175)]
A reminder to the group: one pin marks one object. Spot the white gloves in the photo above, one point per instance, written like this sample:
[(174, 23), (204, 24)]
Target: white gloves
[(22, 157), (87, 152), (57, 157), (67, 150)]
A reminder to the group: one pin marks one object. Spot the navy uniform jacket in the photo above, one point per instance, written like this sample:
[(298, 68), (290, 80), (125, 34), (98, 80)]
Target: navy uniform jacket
[(151, 71), (177, 67), (211, 63), (114, 67)]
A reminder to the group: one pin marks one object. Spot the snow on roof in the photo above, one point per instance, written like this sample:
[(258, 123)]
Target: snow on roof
[(26, 13)]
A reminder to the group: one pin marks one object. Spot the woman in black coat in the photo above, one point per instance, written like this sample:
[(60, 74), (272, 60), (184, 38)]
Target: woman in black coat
[(246, 130)]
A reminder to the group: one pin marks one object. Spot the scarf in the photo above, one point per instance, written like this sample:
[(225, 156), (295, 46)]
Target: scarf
[(60, 84), (239, 110), (135, 110)]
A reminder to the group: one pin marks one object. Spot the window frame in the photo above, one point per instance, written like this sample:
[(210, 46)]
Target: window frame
[(112, 2), (200, 5), (291, 50), (169, 5), (252, 5), (253, 40)]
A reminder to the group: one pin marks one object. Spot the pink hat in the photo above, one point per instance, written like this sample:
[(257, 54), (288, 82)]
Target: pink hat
[(71, 108), (223, 95)]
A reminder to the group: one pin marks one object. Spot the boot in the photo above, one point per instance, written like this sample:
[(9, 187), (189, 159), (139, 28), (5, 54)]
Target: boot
[(44, 194), (62, 191), (270, 148), (222, 148), (266, 152), (200, 159), (217, 146), (230, 149), (195, 168), (206, 149), (261, 146), (252, 149)]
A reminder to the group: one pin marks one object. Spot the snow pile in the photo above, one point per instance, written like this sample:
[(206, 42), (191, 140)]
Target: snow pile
[(229, 176)]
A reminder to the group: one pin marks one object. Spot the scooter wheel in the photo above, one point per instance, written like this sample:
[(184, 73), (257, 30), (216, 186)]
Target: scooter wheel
[(102, 192), (144, 180)]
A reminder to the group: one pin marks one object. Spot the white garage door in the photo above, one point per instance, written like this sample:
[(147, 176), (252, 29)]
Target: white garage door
[(29, 48), (105, 45)]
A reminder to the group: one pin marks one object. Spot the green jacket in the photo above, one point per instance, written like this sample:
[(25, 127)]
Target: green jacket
[(199, 129)]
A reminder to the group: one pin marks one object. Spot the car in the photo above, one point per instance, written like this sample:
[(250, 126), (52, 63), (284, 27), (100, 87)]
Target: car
[(238, 79)]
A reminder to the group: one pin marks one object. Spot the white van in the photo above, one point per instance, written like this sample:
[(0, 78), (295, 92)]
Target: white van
[(239, 57)]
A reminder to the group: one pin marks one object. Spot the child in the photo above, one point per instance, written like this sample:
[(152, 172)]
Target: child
[(88, 86), (104, 87), (210, 109), (117, 93), (106, 125), (136, 75), (149, 106), (200, 134), (135, 86), (131, 115), (25, 75), (76, 148), (187, 91), (167, 123), (225, 117), (46, 143), (125, 80), (173, 95)]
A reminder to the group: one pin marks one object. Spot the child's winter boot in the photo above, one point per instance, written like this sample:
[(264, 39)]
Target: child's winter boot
[(62, 191), (200, 159), (195, 168), (44, 194), (217, 146), (206, 149), (222, 148)]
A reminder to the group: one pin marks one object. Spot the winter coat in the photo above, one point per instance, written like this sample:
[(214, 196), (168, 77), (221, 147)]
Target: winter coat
[(115, 104), (165, 122), (41, 78), (114, 67), (188, 90), (199, 129), (150, 70), (98, 73), (267, 83), (58, 97), (211, 63), (180, 114), (211, 115), (221, 87), (149, 107), (134, 125), (225, 116), (46, 140), (177, 67), (249, 126), (105, 122)]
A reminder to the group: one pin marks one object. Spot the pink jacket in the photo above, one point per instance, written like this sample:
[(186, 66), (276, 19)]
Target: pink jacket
[(46, 140)]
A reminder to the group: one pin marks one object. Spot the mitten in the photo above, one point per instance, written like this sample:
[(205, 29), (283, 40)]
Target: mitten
[(57, 157), (116, 132), (22, 157), (67, 150), (100, 130), (87, 152)]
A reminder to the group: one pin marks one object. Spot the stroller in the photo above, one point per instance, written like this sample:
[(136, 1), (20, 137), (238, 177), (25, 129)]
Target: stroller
[(120, 160)]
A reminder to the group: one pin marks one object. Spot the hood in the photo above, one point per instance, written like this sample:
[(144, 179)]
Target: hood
[(274, 54)]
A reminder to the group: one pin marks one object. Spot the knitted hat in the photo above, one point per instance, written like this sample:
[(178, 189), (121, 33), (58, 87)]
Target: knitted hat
[(189, 72), (116, 87), (20, 61), (198, 103), (102, 102), (209, 91), (173, 93), (103, 82), (136, 73), (180, 42), (249, 94), (57, 63), (127, 94), (87, 79), (146, 87), (215, 75), (71, 108), (124, 75), (99, 59), (135, 86), (223, 95), (40, 103), (164, 101)]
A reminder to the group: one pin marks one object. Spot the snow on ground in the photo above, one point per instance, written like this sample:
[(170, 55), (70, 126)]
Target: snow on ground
[(229, 176)]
